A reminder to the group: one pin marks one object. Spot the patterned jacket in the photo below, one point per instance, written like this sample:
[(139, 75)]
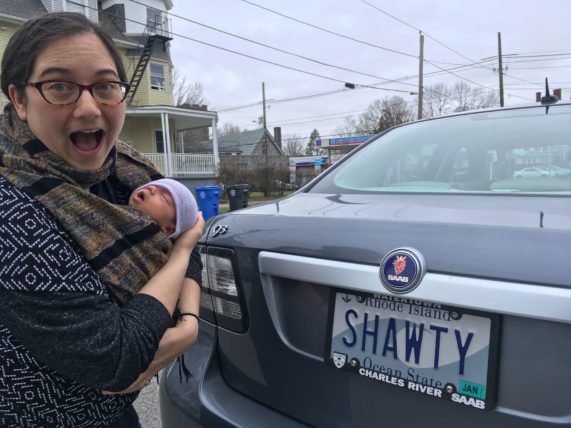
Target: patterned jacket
[(60, 330)]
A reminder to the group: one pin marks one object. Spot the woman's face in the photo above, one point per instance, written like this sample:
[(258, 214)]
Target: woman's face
[(82, 133)]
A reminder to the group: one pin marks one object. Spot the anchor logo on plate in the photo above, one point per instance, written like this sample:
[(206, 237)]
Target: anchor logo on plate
[(339, 359)]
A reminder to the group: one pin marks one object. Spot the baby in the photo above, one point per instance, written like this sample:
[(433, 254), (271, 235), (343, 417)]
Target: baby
[(170, 203), (173, 206)]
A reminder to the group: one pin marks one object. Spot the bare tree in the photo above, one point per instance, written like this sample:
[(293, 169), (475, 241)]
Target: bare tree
[(187, 92), (437, 100), (368, 121), (348, 128), (467, 98), (293, 145), (395, 110), (383, 114), (228, 128)]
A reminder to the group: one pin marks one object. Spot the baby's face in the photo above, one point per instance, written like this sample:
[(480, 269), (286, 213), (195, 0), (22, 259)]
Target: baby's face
[(157, 202)]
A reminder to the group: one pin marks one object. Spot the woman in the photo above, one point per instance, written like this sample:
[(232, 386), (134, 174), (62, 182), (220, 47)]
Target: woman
[(87, 289)]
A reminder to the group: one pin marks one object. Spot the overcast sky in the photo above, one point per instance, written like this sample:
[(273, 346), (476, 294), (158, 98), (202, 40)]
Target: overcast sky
[(376, 41)]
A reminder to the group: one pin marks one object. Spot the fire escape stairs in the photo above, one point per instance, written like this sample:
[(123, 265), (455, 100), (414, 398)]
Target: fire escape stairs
[(143, 62)]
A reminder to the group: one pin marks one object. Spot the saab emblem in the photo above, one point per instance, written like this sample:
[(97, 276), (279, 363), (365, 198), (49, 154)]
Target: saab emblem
[(339, 359), (401, 270)]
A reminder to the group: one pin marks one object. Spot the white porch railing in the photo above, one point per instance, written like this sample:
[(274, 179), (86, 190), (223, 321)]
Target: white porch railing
[(186, 165)]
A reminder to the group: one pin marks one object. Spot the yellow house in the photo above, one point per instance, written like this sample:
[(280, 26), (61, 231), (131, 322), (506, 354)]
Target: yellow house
[(141, 31)]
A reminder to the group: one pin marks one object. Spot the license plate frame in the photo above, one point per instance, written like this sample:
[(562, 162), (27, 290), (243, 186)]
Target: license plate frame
[(475, 387)]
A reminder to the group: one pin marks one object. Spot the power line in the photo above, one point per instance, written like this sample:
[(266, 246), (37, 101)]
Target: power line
[(329, 31), (440, 43), (324, 115), (543, 55), (301, 122), (540, 68), (417, 29), (256, 58), (460, 77), (320, 94), (272, 47), (296, 69), (516, 61)]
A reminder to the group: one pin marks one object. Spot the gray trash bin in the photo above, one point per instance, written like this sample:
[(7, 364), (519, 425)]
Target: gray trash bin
[(237, 196)]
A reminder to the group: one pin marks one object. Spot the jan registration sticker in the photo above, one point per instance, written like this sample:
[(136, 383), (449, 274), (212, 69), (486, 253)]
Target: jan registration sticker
[(424, 347)]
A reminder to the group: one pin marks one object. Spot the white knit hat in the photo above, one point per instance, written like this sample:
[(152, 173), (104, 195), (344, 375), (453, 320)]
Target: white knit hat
[(184, 203)]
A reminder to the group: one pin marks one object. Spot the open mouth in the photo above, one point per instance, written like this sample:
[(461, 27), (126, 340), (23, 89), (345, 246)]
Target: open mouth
[(138, 197), (87, 140)]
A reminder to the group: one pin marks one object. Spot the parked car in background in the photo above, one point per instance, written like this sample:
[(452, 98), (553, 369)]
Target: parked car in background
[(532, 172), (417, 282), (559, 171)]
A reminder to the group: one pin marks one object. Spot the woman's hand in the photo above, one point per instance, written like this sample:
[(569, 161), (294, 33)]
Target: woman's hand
[(166, 284), (189, 238)]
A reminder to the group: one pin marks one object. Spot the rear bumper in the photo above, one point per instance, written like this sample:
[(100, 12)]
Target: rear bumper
[(206, 400)]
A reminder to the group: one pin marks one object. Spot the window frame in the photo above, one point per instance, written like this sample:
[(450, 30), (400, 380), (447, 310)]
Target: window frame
[(74, 3), (153, 74), (153, 24), (159, 140)]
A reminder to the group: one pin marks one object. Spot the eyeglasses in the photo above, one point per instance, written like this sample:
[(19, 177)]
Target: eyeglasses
[(62, 93)]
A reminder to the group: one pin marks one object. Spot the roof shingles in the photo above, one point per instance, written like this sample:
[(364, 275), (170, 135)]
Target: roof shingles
[(24, 9), (244, 143)]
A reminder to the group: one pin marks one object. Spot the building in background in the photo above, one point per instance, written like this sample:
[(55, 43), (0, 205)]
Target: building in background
[(340, 146), (247, 150), (302, 169)]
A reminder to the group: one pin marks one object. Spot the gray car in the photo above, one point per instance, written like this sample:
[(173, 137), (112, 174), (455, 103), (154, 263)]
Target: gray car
[(416, 283)]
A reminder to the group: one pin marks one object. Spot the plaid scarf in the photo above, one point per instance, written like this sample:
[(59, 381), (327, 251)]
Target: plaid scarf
[(124, 246)]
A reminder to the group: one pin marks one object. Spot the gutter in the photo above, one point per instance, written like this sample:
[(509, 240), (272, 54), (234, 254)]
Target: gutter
[(13, 18)]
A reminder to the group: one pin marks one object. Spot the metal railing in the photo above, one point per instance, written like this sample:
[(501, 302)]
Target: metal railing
[(159, 26), (185, 165)]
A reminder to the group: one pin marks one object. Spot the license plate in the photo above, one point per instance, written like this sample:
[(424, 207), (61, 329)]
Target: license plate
[(424, 347)]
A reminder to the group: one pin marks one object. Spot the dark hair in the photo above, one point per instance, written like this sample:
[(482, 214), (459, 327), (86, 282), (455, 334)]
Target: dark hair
[(36, 34)]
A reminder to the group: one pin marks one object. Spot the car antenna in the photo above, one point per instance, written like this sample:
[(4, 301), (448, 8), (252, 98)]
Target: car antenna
[(548, 99)]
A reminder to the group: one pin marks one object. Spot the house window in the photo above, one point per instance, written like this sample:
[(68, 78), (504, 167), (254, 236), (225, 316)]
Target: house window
[(154, 20), (159, 142), (78, 6), (157, 77)]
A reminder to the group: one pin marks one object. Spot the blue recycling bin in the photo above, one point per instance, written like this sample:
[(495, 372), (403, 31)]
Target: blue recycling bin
[(208, 199)]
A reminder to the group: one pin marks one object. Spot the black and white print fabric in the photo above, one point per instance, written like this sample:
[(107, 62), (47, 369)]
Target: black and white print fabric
[(37, 257)]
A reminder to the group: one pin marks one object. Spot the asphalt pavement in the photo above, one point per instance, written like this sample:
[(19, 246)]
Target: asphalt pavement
[(147, 406)]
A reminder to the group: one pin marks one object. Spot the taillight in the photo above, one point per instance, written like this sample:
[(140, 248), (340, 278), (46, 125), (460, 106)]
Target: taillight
[(221, 301)]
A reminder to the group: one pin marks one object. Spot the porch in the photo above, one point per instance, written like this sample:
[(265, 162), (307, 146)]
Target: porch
[(151, 130), (185, 165)]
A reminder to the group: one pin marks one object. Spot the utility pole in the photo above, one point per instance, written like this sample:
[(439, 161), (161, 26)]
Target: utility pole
[(264, 120), (500, 69), (420, 73)]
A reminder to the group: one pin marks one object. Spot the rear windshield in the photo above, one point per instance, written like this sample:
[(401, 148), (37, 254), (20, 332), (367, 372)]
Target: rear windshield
[(525, 150)]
